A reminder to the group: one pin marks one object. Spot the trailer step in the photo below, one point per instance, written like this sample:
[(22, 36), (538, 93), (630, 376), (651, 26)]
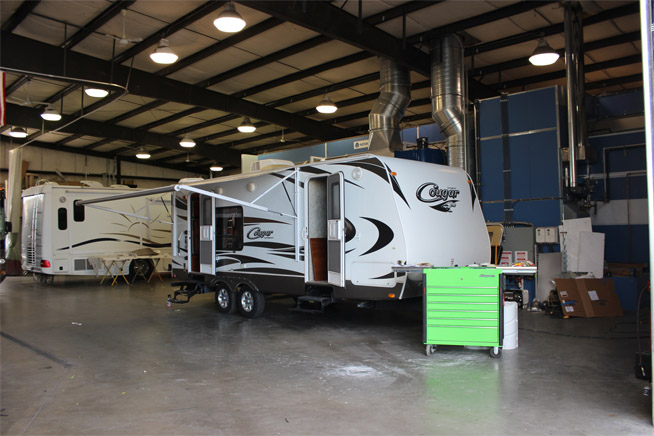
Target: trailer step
[(309, 303), (187, 289)]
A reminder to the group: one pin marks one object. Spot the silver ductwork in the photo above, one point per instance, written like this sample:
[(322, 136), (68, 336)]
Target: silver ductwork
[(394, 97), (448, 96)]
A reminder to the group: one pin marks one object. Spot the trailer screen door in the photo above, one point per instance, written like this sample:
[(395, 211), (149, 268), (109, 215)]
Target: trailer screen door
[(335, 231), (202, 240)]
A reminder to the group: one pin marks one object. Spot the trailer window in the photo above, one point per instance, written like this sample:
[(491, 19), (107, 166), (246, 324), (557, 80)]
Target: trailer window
[(229, 228), (62, 218), (78, 212)]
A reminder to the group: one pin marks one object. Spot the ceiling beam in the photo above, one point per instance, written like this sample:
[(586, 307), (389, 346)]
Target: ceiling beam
[(44, 58), (190, 18), (328, 20), (19, 15), (98, 21), (29, 117), (554, 75), (478, 20), (554, 29)]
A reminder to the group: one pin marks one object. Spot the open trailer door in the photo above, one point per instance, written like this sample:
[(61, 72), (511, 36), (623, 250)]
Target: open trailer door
[(335, 231)]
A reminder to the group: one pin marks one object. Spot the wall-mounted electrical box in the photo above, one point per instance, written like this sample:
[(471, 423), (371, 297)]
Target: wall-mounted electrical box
[(547, 235)]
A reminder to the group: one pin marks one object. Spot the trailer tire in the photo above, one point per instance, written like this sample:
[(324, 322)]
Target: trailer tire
[(225, 299), (250, 302), (140, 267)]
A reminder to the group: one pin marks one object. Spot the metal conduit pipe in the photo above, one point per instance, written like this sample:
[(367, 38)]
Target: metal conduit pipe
[(447, 96), (388, 110)]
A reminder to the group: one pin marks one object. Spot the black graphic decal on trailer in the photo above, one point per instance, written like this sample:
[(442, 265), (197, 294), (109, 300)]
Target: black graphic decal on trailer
[(253, 221), (270, 245), (384, 237), (90, 241), (270, 271), (473, 194), (245, 259), (225, 262), (396, 186), (350, 231)]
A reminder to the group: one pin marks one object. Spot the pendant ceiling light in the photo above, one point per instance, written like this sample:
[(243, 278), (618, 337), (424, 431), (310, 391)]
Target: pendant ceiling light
[(142, 154), (326, 106), (187, 142), (215, 167), (229, 21), (96, 92), (543, 54), (163, 53), (51, 114), (18, 132), (246, 126)]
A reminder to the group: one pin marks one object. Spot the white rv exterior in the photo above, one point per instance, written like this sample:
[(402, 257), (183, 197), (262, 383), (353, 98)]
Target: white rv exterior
[(61, 238), (334, 228)]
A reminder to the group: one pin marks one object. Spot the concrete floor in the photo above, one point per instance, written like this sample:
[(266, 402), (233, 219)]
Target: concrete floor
[(78, 358)]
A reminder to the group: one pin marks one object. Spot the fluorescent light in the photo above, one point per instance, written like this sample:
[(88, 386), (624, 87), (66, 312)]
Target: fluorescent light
[(326, 106), (187, 142), (142, 154), (163, 53), (229, 21), (51, 114), (18, 132), (96, 92), (543, 54), (216, 168), (246, 126)]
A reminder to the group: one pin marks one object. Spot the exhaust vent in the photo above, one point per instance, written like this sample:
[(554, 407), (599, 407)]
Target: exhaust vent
[(448, 96), (394, 97)]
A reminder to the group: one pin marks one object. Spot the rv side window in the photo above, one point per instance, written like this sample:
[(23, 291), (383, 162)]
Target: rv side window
[(62, 218), (78, 212), (229, 228)]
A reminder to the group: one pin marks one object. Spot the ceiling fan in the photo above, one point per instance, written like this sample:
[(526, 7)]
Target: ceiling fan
[(283, 139), (27, 101), (124, 40)]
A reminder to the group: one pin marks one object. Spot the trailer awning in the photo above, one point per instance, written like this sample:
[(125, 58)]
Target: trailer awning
[(177, 188)]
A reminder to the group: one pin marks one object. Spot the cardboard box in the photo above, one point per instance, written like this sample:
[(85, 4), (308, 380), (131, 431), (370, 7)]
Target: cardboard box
[(588, 298)]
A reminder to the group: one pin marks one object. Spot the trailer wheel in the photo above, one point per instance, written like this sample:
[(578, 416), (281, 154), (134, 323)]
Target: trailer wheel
[(250, 302), (140, 267), (225, 299)]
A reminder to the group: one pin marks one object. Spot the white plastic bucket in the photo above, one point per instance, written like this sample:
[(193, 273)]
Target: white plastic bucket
[(510, 325)]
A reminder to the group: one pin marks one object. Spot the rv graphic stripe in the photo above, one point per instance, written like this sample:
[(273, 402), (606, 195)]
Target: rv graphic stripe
[(90, 241), (473, 194), (271, 271), (246, 259), (396, 186), (225, 262), (385, 237)]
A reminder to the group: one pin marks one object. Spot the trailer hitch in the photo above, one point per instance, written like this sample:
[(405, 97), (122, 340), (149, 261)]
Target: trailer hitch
[(186, 289)]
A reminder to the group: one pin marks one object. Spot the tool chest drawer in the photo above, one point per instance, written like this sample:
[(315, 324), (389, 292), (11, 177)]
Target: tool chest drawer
[(462, 306)]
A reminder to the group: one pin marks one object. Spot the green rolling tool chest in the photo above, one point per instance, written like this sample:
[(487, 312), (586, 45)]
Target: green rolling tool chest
[(463, 306)]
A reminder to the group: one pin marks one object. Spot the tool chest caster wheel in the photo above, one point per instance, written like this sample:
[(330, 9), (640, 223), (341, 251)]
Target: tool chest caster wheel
[(495, 352), (429, 349)]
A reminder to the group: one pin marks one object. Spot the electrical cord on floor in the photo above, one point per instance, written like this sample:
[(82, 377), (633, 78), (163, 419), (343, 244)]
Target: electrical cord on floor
[(578, 336)]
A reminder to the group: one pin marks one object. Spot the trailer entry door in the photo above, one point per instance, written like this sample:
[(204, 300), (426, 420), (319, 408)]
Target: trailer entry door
[(335, 231), (202, 251)]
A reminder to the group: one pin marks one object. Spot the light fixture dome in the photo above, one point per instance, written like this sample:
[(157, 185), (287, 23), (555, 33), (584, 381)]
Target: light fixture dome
[(18, 132), (543, 54), (326, 106), (246, 126), (51, 114), (96, 92), (229, 21), (187, 142), (163, 54), (215, 167), (142, 153)]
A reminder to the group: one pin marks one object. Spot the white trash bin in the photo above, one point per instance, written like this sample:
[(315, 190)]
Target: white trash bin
[(510, 325)]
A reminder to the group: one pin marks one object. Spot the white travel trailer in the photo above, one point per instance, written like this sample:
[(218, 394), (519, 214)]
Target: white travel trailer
[(325, 231), (61, 238)]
